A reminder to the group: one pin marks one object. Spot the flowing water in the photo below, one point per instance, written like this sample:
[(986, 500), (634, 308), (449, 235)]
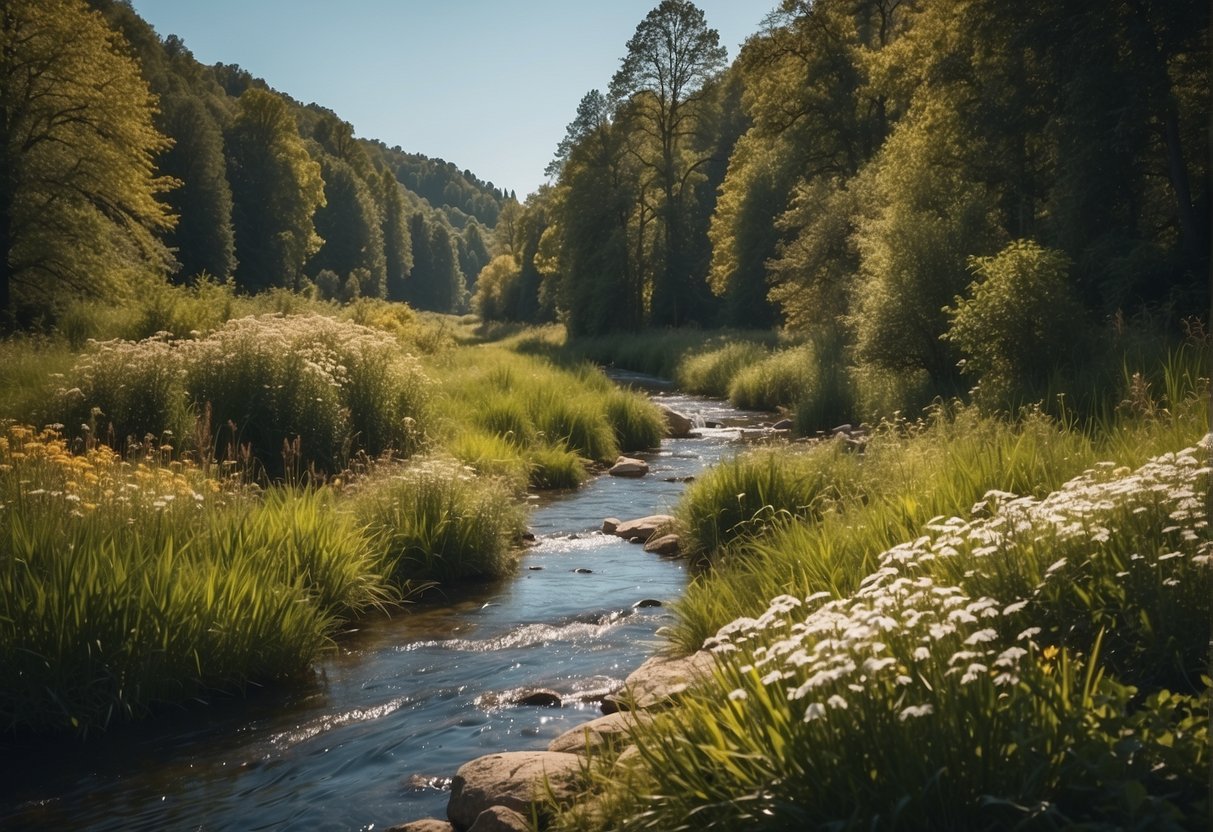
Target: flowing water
[(374, 739)]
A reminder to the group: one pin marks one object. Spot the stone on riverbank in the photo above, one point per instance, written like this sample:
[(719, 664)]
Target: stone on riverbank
[(678, 425), (642, 529), (626, 466), (660, 681), (500, 819), (610, 524), (518, 780), (609, 730), (426, 825), (668, 545)]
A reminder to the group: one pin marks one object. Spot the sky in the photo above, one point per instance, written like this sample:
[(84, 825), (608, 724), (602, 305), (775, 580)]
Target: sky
[(489, 85)]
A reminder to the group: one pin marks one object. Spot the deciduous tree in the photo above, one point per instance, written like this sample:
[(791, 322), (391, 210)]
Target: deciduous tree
[(79, 205)]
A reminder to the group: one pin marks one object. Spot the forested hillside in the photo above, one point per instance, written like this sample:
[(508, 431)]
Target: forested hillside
[(126, 161), (934, 192)]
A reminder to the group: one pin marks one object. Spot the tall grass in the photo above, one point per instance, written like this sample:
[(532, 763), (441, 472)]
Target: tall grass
[(551, 417), (711, 373), (127, 584), (438, 523), (661, 352)]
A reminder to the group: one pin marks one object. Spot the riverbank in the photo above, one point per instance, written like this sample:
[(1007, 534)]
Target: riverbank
[(997, 665)]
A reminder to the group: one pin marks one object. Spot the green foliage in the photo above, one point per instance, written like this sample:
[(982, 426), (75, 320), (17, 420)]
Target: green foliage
[(276, 189), (436, 522), (1019, 321), (1013, 663), (637, 422), (203, 239), (78, 206), (711, 373), (130, 584), (349, 224), (782, 379)]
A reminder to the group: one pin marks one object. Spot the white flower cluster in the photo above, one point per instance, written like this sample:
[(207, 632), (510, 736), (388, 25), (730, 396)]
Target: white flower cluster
[(903, 631)]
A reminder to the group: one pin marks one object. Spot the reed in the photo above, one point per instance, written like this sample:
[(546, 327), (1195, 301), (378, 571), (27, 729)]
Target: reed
[(437, 522)]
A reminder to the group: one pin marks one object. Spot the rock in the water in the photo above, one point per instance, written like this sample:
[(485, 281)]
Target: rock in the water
[(644, 603), (677, 425), (541, 697), (518, 780), (660, 680), (669, 545), (609, 525), (426, 825), (500, 819), (626, 466), (643, 528), (582, 570), (783, 424), (609, 730)]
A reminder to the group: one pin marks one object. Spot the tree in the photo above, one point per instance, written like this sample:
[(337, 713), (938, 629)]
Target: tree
[(348, 222), (661, 86), (397, 246), (203, 239), (276, 189), (78, 187)]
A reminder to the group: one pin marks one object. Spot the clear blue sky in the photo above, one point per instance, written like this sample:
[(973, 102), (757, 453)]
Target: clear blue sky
[(487, 84)]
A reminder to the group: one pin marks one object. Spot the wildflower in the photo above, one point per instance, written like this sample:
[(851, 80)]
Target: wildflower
[(915, 711), (837, 702), (814, 711)]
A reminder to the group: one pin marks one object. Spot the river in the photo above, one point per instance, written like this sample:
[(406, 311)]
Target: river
[(375, 737)]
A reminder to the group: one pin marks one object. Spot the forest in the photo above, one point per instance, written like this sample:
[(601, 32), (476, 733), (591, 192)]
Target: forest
[(267, 386)]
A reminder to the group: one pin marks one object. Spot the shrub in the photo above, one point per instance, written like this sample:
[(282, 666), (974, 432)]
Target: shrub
[(711, 373), (637, 422), (1020, 323), (437, 522)]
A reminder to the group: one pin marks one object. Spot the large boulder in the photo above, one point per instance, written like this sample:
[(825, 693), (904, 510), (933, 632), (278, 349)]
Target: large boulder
[(501, 819), (518, 780), (677, 425), (643, 528), (667, 545), (609, 730), (661, 680), (626, 466), (427, 825)]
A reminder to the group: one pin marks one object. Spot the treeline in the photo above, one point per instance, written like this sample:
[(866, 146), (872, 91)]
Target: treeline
[(936, 192), (125, 160)]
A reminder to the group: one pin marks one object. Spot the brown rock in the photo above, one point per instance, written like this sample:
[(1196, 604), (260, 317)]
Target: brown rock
[(541, 697), (518, 780), (643, 527), (427, 825), (660, 680), (610, 730), (668, 545), (500, 819), (609, 525), (628, 467), (677, 425)]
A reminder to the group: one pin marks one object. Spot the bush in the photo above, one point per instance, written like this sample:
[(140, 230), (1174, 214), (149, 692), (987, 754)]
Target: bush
[(1020, 324), (437, 522), (711, 373), (637, 422)]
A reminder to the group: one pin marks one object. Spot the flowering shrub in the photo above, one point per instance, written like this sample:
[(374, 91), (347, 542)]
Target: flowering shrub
[(290, 391)]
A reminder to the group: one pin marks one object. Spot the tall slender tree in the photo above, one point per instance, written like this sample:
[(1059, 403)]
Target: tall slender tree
[(660, 87), (276, 189)]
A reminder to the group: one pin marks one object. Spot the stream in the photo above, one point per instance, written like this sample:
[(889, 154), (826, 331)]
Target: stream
[(375, 737)]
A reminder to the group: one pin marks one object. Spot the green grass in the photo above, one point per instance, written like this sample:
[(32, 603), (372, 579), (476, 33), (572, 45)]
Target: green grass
[(124, 585), (711, 373), (437, 523)]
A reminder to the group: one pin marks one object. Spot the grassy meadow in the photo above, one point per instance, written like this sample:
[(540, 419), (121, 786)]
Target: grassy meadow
[(199, 490)]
